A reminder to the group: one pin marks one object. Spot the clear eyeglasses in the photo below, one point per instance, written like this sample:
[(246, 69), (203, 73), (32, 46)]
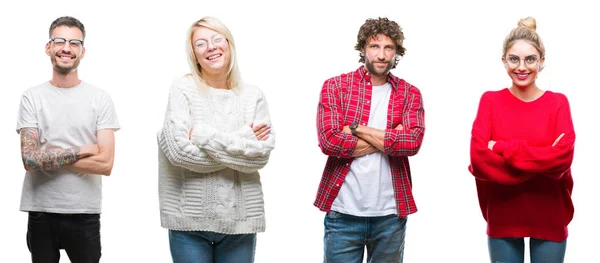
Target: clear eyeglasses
[(515, 61), (217, 40), (59, 41)]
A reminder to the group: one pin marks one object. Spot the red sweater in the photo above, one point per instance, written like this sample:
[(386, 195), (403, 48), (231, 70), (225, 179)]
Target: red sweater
[(524, 185)]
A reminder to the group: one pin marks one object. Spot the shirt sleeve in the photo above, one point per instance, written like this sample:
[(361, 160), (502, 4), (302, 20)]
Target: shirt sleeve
[(407, 142), (550, 160), (485, 164), (27, 117), (239, 150), (173, 138), (332, 140), (107, 115)]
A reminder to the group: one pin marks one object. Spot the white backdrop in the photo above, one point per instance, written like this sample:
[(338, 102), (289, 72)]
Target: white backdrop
[(135, 49)]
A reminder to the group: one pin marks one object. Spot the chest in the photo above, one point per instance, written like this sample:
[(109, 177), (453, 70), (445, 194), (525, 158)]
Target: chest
[(225, 112), (362, 103), (533, 123)]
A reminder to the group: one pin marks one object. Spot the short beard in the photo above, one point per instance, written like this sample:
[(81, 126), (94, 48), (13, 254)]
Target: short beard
[(63, 70), (373, 71)]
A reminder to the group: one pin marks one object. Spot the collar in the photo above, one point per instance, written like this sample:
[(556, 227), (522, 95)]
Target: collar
[(364, 75)]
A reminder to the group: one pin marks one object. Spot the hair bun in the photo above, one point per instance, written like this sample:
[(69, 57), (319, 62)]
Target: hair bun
[(528, 22)]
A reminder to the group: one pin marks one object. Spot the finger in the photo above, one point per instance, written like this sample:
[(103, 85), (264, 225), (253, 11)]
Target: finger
[(258, 127), (264, 134), (399, 127), (558, 139)]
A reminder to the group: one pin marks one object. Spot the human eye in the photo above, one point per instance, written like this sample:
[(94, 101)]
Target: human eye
[(75, 42), (218, 38), (530, 59), (59, 40), (201, 43), (513, 59)]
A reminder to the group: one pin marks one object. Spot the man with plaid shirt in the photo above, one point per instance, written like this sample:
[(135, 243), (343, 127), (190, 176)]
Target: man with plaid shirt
[(369, 121)]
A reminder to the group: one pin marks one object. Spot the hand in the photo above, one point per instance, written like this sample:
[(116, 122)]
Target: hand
[(191, 131), (399, 127), (261, 131), (89, 150), (347, 130), (558, 139), (491, 145)]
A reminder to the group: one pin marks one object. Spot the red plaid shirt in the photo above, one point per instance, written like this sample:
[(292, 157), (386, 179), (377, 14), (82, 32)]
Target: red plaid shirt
[(346, 99)]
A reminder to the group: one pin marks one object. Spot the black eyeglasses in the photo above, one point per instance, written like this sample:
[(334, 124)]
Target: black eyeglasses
[(59, 41)]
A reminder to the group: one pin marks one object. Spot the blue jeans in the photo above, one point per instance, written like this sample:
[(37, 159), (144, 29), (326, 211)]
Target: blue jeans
[(347, 236), (77, 234), (211, 247), (512, 250)]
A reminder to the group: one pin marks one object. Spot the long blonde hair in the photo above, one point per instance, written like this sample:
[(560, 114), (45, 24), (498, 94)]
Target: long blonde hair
[(233, 73)]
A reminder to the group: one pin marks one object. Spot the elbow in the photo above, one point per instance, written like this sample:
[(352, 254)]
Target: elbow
[(412, 151), (107, 169), (29, 165), (107, 166)]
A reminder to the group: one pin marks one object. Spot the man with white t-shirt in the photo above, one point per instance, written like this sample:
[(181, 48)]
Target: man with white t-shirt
[(67, 143), (369, 121)]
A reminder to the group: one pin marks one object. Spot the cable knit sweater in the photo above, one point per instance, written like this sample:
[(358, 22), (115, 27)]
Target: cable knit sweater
[(211, 182)]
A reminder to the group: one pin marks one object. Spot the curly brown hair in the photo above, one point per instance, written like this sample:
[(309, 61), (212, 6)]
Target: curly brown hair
[(381, 25)]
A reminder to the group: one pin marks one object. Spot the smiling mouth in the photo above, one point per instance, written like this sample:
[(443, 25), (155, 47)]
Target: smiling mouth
[(214, 57), (65, 57), (522, 76)]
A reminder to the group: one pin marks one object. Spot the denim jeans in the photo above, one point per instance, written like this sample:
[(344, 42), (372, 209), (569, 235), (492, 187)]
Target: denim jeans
[(77, 234), (512, 250), (210, 247), (347, 236)]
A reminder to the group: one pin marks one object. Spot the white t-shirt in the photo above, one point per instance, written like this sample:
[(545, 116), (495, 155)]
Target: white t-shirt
[(65, 117), (367, 189)]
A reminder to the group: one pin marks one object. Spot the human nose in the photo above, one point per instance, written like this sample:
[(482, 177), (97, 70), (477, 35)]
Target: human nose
[(521, 65), (66, 47), (210, 45), (381, 54)]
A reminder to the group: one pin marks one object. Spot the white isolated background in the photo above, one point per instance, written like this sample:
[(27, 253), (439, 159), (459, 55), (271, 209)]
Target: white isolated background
[(136, 48)]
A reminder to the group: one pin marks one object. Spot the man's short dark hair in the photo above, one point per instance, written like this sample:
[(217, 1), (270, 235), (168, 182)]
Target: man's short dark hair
[(66, 21)]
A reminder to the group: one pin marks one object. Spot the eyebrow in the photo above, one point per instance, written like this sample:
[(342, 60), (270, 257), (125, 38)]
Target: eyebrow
[(513, 55), (217, 34)]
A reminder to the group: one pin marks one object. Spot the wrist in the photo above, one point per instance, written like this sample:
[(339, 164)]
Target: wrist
[(353, 128)]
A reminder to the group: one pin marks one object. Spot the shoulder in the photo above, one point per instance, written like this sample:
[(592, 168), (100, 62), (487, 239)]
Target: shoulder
[(494, 94), (403, 84), (185, 82), (31, 91), (96, 92), (556, 98), (337, 80), (250, 91)]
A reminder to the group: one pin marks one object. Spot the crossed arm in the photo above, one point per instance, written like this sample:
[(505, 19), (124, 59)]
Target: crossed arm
[(203, 149), (370, 140), (35, 158), (102, 162)]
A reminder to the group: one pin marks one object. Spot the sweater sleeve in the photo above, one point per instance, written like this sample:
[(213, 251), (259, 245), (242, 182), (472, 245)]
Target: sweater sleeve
[(173, 138), (332, 140), (485, 164), (407, 142), (238, 150), (552, 161)]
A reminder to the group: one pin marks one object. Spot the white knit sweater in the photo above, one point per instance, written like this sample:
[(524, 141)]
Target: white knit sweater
[(211, 182)]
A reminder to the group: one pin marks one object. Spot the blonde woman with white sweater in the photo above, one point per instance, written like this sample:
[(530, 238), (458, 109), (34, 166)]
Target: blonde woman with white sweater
[(217, 134)]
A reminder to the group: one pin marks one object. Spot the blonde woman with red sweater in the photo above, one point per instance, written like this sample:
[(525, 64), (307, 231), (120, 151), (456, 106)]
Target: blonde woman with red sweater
[(521, 153)]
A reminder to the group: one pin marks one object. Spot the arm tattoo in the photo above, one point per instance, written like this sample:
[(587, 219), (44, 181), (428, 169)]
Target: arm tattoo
[(45, 160)]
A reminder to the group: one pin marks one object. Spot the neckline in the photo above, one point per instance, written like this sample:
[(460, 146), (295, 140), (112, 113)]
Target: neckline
[(545, 92)]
